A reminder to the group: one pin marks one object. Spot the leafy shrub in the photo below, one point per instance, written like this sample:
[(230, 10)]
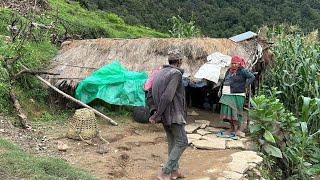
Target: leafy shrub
[(283, 138), (183, 29)]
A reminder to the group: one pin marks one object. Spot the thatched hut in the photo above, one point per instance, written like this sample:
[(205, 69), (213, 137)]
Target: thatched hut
[(78, 59)]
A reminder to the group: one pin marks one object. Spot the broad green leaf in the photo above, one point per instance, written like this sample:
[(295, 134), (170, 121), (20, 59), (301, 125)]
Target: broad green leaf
[(273, 151), (268, 136), (255, 128)]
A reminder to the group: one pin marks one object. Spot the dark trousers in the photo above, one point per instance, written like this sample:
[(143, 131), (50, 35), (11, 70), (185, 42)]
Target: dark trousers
[(177, 143)]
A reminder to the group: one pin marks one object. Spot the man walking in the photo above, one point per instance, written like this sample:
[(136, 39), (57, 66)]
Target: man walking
[(167, 101)]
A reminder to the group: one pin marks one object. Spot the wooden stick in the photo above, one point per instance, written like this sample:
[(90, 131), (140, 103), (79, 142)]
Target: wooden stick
[(75, 100), (21, 114)]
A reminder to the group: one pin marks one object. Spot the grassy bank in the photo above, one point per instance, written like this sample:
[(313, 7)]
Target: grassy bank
[(16, 164)]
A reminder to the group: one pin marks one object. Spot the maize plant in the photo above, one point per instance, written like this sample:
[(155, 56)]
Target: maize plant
[(295, 72)]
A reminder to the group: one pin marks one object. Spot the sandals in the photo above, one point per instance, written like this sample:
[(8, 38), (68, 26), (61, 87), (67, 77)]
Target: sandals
[(232, 135), (222, 134)]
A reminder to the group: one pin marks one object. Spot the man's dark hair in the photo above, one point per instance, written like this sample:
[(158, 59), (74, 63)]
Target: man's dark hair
[(174, 58)]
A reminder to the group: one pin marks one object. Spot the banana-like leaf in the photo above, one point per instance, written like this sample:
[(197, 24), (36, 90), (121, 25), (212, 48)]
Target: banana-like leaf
[(273, 151), (268, 136)]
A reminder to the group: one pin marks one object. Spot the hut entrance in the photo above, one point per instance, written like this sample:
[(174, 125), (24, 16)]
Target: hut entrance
[(202, 95)]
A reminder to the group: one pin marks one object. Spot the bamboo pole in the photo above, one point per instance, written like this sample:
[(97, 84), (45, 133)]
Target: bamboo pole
[(75, 100)]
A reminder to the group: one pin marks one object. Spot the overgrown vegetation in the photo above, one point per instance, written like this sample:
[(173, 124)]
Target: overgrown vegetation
[(220, 18), (183, 29), (295, 71), (286, 115), (33, 39), (290, 150), (16, 164)]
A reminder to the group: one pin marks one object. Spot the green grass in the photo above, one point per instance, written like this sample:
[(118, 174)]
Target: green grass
[(95, 24), (16, 164)]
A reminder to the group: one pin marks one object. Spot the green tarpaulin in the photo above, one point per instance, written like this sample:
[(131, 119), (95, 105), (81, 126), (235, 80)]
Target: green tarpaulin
[(113, 84)]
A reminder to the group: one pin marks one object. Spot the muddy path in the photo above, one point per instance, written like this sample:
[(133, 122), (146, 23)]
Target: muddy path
[(136, 151)]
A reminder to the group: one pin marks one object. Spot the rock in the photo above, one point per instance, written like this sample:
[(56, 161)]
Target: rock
[(252, 165), (235, 144), (203, 126), (209, 137), (193, 137), (250, 173), (190, 128), (256, 172), (193, 113), (204, 178), (246, 139), (238, 166), (203, 132), (243, 161), (222, 178), (247, 156), (62, 146), (2, 131), (190, 141), (213, 129), (242, 135), (102, 149), (124, 157), (212, 170), (221, 124), (65, 43), (204, 123), (232, 175), (205, 144), (251, 145)]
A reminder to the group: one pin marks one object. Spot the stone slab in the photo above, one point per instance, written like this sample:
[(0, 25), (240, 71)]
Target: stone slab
[(203, 132), (190, 128), (238, 166), (235, 144), (204, 178), (192, 113), (247, 156), (204, 123), (214, 130), (232, 175), (205, 144), (194, 136), (210, 137)]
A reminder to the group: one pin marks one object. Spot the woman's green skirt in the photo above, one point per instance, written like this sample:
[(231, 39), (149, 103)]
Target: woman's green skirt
[(232, 107)]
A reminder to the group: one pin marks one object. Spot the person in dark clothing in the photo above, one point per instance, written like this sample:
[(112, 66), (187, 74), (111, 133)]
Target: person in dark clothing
[(237, 78), (167, 102)]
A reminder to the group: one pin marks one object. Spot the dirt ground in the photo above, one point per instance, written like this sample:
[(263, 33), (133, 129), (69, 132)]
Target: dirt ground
[(136, 151)]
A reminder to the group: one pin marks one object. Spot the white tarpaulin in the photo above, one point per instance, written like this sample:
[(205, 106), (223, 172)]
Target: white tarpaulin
[(212, 69)]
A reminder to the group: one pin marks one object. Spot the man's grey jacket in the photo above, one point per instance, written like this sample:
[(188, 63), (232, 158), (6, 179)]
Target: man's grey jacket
[(167, 96)]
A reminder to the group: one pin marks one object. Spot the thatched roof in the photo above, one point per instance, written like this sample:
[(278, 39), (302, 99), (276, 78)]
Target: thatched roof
[(78, 59)]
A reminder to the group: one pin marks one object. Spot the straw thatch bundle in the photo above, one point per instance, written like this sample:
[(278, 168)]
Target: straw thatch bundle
[(78, 59)]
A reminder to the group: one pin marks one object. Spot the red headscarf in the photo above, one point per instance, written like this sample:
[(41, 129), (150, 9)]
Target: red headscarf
[(237, 59)]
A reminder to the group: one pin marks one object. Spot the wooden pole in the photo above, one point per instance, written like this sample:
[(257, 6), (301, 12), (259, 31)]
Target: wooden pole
[(75, 100)]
